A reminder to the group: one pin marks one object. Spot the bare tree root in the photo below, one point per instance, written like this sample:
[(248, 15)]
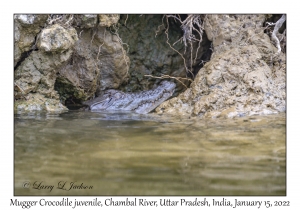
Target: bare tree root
[(193, 23), (126, 20), (80, 34), (93, 36), (184, 61), (97, 61), (63, 20), (99, 50), (262, 31), (278, 24), (161, 25), (188, 26), (274, 35), (170, 77), (21, 89), (115, 32)]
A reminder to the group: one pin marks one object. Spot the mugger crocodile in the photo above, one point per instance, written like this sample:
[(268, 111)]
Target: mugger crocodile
[(141, 102)]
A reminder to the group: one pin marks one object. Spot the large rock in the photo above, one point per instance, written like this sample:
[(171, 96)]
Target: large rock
[(57, 39), (99, 62), (37, 73), (37, 102), (239, 80), (26, 28)]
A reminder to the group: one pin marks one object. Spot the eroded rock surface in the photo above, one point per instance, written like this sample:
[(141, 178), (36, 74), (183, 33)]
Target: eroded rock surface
[(38, 102), (98, 63), (57, 39), (108, 20), (36, 75), (26, 28), (242, 78)]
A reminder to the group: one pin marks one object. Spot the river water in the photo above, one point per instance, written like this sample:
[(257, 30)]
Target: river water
[(93, 153)]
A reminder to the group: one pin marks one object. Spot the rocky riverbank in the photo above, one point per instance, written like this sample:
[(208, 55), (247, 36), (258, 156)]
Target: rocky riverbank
[(236, 70)]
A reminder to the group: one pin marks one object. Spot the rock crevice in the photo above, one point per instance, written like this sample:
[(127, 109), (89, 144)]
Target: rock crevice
[(242, 78)]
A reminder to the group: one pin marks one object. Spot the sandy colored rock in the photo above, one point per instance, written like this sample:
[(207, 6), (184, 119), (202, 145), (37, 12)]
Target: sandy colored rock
[(26, 28), (239, 79), (37, 75), (108, 20), (37, 102), (55, 38), (99, 62), (229, 29)]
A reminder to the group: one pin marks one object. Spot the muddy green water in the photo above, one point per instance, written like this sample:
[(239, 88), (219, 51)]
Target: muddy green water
[(130, 154)]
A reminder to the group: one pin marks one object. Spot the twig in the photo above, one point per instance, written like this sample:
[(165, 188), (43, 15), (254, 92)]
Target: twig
[(126, 19), (167, 34), (99, 50), (51, 19), (121, 43), (162, 24), (170, 77), (68, 21), (60, 19), (19, 88), (80, 34)]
